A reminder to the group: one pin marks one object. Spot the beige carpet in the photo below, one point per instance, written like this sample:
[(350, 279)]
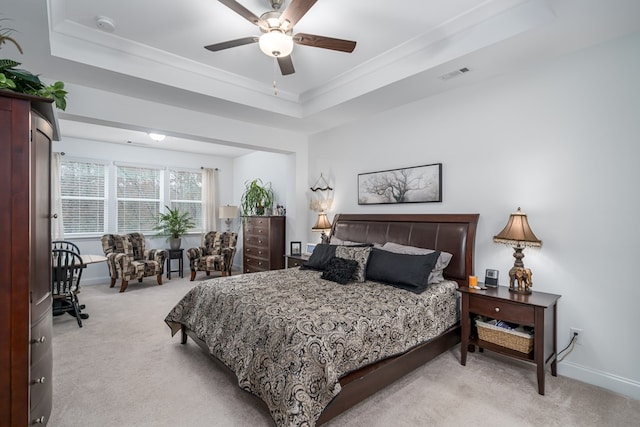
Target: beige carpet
[(124, 369)]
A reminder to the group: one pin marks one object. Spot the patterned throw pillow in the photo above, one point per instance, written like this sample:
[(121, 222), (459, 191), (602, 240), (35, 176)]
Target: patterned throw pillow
[(340, 270), (359, 254)]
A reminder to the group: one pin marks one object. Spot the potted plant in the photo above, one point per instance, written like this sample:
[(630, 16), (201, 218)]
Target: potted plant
[(174, 224), (257, 198), (22, 81)]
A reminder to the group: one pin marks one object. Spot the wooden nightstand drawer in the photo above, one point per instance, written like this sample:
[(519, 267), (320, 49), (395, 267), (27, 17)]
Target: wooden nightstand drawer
[(502, 310)]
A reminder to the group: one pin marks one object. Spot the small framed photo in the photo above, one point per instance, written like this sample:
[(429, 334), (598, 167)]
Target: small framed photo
[(310, 248), (296, 248)]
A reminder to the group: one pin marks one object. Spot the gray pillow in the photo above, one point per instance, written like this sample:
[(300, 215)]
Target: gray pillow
[(436, 275)]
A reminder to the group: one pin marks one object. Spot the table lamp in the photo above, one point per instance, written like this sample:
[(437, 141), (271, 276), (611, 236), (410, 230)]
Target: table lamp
[(518, 234), (228, 213), (322, 225)]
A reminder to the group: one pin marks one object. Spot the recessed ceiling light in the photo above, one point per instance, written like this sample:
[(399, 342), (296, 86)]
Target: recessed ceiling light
[(105, 24), (156, 136)]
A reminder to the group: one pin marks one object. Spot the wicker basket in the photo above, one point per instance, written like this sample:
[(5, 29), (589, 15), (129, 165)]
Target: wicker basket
[(514, 340)]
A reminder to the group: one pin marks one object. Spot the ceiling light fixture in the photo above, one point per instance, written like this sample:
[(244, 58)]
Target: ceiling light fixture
[(276, 43), (156, 136)]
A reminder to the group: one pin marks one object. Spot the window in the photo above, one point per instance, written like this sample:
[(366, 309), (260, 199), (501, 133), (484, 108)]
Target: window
[(123, 198), (185, 193), (83, 196), (138, 192)]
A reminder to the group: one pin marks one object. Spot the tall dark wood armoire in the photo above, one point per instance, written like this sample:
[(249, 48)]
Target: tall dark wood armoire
[(26, 132)]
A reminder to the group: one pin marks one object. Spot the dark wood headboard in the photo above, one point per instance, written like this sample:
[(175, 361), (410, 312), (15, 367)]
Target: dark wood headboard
[(453, 233)]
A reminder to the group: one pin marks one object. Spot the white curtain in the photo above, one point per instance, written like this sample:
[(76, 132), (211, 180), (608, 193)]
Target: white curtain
[(209, 197), (57, 223)]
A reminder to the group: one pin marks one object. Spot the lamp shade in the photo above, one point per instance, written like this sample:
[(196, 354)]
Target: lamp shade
[(517, 232), (228, 211), (322, 224), (275, 43)]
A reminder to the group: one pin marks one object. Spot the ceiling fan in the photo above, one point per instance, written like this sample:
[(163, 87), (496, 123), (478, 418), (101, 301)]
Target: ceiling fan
[(277, 28)]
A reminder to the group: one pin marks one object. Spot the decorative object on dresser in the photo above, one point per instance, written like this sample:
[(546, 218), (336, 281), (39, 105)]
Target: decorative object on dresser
[(216, 254), (257, 198), (263, 243), (518, 234), (537, 310), (418, 184), (228, 213), (322, 225), (27, 127)]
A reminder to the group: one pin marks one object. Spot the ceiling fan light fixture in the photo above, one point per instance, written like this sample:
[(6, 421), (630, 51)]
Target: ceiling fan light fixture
[(276, 44)]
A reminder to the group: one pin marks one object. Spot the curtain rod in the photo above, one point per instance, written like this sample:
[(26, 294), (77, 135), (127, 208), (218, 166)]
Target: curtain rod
[(215, 169)]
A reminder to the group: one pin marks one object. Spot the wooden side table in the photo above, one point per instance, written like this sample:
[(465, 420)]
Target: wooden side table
[(537, 310), (295, 260), (179, 255)]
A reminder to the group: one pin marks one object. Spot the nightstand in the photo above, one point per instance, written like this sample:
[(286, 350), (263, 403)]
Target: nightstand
[(296, 260), (537, 310)]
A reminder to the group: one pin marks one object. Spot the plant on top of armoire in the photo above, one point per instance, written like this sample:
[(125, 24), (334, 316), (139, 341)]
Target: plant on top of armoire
[(23, 81)]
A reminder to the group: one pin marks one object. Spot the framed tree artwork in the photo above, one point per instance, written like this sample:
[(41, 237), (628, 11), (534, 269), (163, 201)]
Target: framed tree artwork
[(417, 184)]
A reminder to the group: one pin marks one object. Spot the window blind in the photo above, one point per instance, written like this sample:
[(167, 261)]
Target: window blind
[(82, 186)]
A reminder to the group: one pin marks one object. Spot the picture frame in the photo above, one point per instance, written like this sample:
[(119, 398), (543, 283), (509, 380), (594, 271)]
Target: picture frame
[(296, 248), (416, 184), (310, 248)]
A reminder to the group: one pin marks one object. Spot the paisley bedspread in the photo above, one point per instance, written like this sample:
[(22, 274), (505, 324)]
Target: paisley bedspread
[(289, 335)]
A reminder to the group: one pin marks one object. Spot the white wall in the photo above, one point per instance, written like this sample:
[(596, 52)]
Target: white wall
[(559, 140), (281, 171), (83, 149)]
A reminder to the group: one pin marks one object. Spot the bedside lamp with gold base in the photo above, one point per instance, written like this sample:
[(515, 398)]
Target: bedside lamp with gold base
[(518, 234)]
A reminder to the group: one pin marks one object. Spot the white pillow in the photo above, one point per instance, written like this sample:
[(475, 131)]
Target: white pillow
[(436, 275)]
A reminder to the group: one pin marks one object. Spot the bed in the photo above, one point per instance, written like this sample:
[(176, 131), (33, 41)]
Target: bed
[(307, 360)]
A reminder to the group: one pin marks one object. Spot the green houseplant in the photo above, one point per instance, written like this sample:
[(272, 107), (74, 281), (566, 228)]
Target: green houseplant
[(22, 81), (257, 198), (174, 224)]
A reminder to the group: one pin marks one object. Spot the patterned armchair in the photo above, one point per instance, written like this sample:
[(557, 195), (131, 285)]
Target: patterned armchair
[(128, 258), (215, 254)]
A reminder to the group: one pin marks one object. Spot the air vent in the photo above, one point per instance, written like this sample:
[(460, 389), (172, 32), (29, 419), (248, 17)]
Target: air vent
[(453, 74)]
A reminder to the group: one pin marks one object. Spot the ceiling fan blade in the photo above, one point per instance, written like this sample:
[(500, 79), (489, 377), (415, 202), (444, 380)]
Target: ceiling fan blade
[(244, 12), (231, 43), (296, 10), (286, 65), (324, 42)]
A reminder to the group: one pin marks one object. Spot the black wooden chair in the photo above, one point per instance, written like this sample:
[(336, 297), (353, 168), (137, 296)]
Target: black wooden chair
[(66, 273), (66, 245)]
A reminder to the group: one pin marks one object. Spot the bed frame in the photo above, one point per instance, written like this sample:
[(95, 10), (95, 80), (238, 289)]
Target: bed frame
[(453, 233)]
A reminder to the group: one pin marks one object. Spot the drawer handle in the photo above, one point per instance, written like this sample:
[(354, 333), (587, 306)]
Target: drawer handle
[(39, 340), (260, 241), (39, 380), (497, 309), (39, 420)]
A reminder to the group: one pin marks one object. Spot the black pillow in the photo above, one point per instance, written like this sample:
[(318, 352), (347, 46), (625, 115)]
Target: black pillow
[(320, 257), (410, 272), (340, 270)]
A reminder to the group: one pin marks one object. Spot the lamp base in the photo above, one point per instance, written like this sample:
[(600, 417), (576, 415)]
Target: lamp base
[(521, 276)]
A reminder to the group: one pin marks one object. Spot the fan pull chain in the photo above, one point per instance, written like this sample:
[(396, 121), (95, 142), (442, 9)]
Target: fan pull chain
[(275, 86)]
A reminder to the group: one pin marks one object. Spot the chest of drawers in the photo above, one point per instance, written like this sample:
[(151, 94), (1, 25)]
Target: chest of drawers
[(263, 243)]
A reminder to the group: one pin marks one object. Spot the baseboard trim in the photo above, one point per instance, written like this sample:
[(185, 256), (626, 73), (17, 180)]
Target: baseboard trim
[(602, 379)]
